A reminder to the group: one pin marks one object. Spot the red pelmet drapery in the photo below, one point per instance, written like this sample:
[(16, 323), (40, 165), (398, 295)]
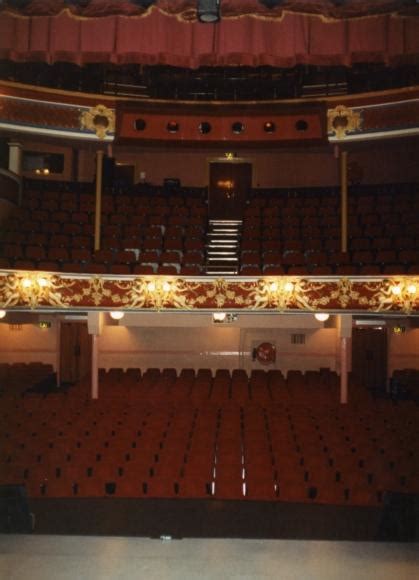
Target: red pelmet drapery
[(156, 37)]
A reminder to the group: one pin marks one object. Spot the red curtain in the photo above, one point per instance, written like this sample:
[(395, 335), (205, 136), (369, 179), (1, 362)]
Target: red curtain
[(159, 38)]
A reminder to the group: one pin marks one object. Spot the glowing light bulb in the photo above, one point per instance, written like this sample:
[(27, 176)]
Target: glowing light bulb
[(26, 282), (273, 287), (396, 290), (289, 287), (116, 315), (321, 316), (411, 289), (166, 286), (151, 286), (219, 316), (42, 282), (2, 313)]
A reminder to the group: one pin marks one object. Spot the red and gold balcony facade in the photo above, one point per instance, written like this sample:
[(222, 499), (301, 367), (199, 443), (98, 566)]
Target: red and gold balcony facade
[(44, 291)]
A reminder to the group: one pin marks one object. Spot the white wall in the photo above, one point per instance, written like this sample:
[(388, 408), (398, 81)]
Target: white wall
[(30, 344), (205, 346), (213, 347)]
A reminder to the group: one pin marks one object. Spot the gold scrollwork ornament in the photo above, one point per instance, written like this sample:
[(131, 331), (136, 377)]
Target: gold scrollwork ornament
[(341, 121), (99, 119)]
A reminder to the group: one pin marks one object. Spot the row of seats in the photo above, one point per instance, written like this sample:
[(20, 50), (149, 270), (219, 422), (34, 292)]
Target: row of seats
[(260, 386), (18, 377), (391, 197), (131, 236), (140, 234), (302, 216), (290, 238), (65, 445), (138, 237), (300, 235), (74, 196), (317, 262), (405, 383)]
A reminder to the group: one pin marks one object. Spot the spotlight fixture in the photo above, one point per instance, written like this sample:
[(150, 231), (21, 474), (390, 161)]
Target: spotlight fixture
[(172, 127), (321, 316), (208, 11), (116, 315), (269, 127), (2, 313)]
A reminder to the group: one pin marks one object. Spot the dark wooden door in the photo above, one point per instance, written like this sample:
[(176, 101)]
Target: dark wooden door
[(124, 175), (229, 187), (75, 351), (369, 357)]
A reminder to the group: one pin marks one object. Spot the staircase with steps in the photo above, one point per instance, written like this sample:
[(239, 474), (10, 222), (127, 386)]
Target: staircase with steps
[(222, 247)]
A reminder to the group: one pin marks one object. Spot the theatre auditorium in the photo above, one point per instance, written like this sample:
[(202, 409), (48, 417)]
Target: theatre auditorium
[(209, 289)]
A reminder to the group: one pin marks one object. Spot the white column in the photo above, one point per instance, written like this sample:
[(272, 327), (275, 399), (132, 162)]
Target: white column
[(344, 334), (344, 200), (98, 205), (15, 164), (58, 353), (344, 370), (15, 158), (94, 326), (95, 367)]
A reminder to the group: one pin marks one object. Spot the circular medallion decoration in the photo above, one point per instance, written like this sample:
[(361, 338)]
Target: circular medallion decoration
[(265, 353), (99, 119)]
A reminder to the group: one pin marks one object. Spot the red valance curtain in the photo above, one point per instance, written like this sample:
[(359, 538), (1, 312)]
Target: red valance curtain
[(160, 38)]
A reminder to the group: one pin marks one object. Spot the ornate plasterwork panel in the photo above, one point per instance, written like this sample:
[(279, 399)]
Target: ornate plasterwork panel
[(35, 290), (341, 120), (99, 119)]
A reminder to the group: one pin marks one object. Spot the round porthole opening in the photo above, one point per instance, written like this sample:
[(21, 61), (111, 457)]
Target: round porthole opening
[(172, 127), (204, 127), (139, 124), (237, 127), (301, 125)]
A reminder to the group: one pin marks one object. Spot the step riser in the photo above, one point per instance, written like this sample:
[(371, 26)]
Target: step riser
[(223, 245)]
